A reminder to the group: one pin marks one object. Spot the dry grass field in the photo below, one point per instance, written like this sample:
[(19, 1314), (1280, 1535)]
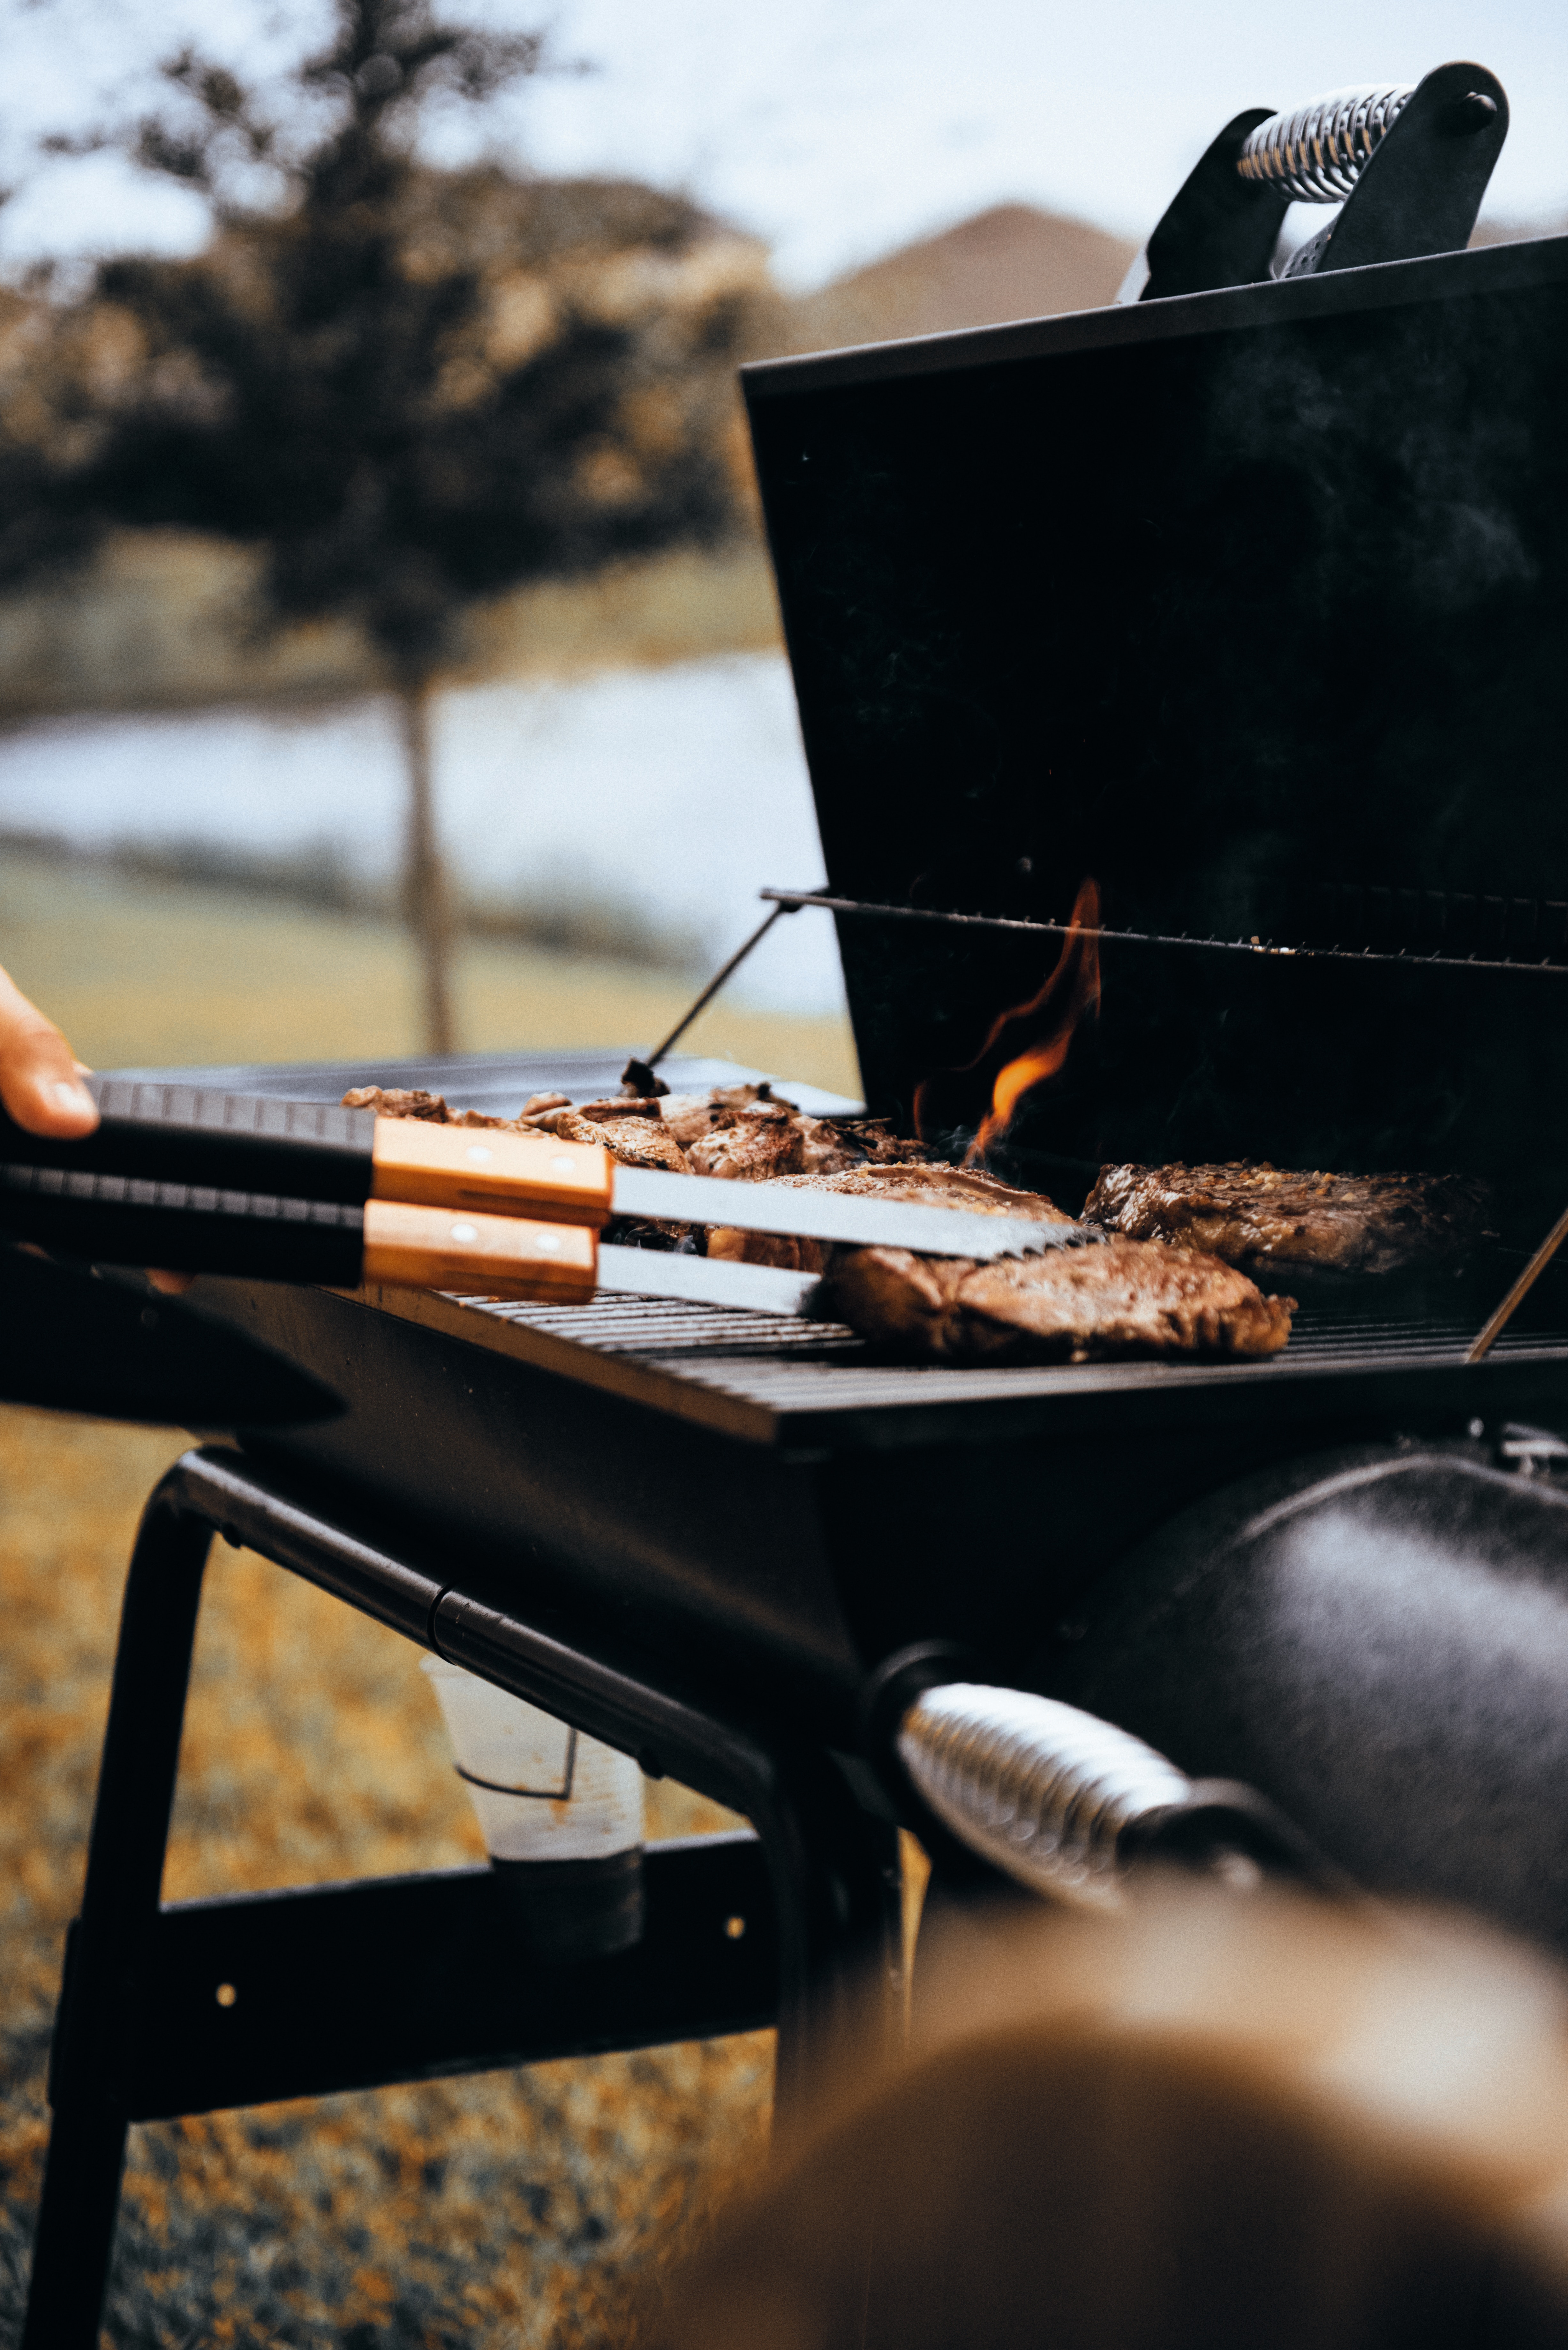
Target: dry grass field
[(139, 972), (509, 2209)]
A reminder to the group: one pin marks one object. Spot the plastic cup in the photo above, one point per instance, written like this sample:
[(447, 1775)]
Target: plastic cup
[(561, 1816)]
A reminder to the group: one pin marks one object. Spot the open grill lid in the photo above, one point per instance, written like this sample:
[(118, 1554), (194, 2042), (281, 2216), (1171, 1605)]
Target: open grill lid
[(1252, 605)]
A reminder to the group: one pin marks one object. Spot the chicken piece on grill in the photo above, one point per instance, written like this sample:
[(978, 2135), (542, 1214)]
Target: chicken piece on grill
[(759, 1141), (602, 1113), (926, 1185), (634, 1141), (762, 1142), (1067, 1305), (629, 1135), (398, 1101), (1263, 1217)]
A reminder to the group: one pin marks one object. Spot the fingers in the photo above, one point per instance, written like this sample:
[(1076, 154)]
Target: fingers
[(39, 1081)]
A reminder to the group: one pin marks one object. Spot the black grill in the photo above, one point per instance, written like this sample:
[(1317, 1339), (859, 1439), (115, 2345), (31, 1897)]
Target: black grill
[(1187, 598)]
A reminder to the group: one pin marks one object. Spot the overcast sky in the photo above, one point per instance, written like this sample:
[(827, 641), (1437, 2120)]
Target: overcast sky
[(835, 128)]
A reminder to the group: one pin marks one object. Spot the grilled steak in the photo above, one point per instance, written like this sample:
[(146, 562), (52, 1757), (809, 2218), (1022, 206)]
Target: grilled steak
[(1072, 1304), (926, 1185), (1265, 1218)]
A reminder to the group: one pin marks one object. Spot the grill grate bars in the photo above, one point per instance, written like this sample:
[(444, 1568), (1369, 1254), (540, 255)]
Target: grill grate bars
[(682, 1338)]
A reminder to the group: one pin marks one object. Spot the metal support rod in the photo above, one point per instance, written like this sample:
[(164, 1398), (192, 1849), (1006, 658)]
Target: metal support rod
[(1498, 1322), (790, 901), (715, 984)]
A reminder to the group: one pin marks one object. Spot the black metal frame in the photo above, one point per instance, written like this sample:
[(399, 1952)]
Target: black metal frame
[(412, 1977)]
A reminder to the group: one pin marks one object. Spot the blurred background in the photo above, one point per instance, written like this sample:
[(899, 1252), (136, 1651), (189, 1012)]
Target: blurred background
[(388, 648), (388, 657)]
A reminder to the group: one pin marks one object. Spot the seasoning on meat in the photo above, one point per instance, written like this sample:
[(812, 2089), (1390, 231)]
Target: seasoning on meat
[(1263, 1217), (1128, 1297), (927, 1185)]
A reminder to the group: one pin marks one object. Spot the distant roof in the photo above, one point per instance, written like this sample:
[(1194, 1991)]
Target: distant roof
[(1011, 262)]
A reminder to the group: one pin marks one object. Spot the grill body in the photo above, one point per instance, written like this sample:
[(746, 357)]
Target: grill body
[(1378, 1637)]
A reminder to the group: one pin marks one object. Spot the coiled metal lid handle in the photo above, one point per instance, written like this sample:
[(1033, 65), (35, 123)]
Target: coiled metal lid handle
[(1064, 1803), (1318, 153), (1433, 143)]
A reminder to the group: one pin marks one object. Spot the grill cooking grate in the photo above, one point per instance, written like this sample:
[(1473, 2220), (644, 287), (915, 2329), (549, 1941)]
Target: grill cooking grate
[(675, 1332), (786, 1368), (671, 1327), (1340, 1340)]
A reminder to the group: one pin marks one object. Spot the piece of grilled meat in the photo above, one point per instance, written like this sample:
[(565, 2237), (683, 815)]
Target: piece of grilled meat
[(1267, 1219), (1067, 1305), (926, 1185)]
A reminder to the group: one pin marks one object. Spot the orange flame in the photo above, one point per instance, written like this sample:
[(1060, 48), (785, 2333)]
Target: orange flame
[(1075, 978)]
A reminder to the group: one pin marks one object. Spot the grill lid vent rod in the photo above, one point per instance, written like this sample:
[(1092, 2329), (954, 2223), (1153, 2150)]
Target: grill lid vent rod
[(1413, 958)]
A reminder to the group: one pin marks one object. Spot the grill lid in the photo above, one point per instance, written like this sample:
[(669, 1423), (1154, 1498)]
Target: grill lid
[(1251, 606)]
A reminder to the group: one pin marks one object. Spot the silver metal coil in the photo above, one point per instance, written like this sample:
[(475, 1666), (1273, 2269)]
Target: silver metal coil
[(1318, 153), (1039, 1789)]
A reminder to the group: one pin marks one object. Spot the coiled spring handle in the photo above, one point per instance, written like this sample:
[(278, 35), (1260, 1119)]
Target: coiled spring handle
[(1318, 153), (1409, 163), (1064, 1803)]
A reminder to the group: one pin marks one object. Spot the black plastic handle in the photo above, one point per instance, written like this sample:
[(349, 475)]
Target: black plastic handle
[(189, 1228), (193, 1135)]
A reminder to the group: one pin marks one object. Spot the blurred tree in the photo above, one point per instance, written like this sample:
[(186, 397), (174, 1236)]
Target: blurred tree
[(413, 388)]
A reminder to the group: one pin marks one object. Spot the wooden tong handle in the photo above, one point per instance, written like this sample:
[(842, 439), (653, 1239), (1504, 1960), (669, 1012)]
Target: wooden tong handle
[(488, 1256), (496, 1173)]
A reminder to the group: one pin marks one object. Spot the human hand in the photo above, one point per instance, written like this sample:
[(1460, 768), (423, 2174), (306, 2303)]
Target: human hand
[(41, 1086), (40, 1077)]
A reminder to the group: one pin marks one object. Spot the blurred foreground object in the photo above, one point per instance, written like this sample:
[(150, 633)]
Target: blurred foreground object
[(414, 389), (1216, 2122)]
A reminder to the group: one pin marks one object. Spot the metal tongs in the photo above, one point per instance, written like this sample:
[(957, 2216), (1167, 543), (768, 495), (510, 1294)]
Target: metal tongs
[(206, 1182)]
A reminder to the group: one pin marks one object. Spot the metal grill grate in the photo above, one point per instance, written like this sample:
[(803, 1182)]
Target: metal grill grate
[(1346, 1340), (671, 1328), (789, 1368)]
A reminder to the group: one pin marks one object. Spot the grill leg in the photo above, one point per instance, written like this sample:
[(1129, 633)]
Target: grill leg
[(833, 1866), (90, 2072), (838, 1891)]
